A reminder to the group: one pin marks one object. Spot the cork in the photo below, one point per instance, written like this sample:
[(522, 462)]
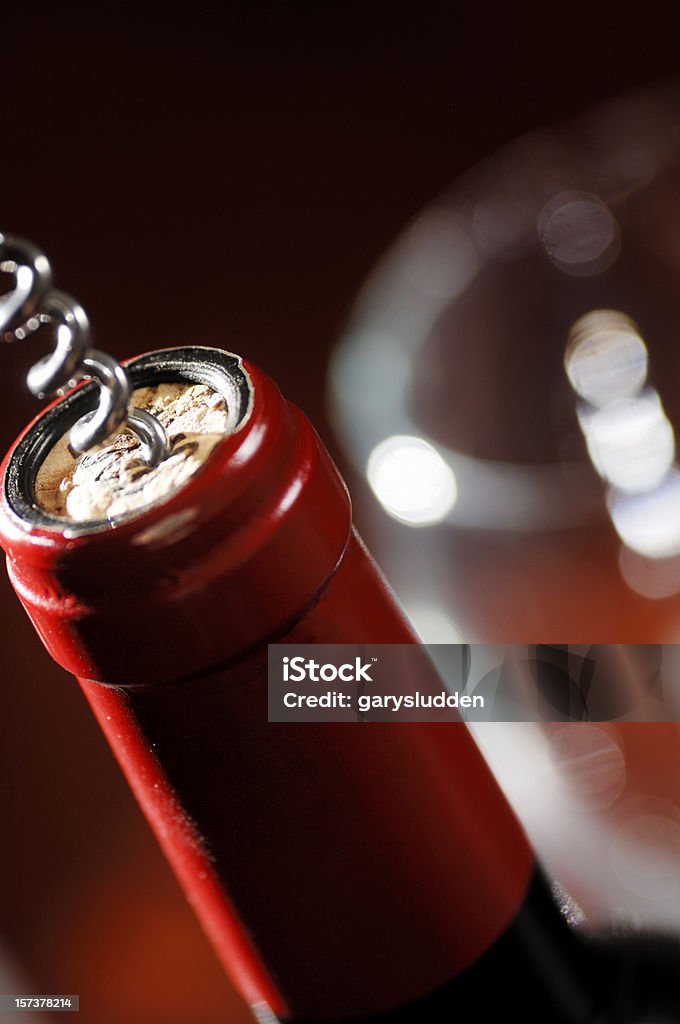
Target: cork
[(111, 480)]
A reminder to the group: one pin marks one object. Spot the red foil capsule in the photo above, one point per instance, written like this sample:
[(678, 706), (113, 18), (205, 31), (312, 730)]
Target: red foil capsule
[(339, 869)]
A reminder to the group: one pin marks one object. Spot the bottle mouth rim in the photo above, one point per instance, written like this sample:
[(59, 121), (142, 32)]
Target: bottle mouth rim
[(220, 370)]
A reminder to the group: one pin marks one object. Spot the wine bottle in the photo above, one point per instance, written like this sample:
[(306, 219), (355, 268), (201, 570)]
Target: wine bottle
[(342, 871)]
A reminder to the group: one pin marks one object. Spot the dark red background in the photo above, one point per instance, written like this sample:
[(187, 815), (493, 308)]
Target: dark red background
[(225, 177)]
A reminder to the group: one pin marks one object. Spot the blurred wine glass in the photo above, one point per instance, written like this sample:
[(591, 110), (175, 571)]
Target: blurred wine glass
[(507, 387)]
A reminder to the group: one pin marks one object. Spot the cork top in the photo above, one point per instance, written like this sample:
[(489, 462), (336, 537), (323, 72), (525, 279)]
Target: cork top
[(111, 480)]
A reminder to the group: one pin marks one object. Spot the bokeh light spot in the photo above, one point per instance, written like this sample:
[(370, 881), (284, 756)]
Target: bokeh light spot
[(411, 480)]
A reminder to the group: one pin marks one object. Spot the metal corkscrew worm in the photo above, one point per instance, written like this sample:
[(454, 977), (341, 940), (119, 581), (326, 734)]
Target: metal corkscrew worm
[(32, 303)]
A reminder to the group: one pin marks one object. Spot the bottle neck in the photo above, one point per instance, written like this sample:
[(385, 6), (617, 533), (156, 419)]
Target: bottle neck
[(367, 864)]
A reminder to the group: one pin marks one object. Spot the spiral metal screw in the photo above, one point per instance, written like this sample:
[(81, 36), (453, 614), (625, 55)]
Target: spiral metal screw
[(31, 304)]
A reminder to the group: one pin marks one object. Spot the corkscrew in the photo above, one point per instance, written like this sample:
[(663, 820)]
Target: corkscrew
[(34, 303)]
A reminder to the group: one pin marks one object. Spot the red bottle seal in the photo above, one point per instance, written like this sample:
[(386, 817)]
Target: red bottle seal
[(339, 869)]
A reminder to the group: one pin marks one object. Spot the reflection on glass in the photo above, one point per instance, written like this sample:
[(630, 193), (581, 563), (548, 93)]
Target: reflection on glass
[(411, 481)]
